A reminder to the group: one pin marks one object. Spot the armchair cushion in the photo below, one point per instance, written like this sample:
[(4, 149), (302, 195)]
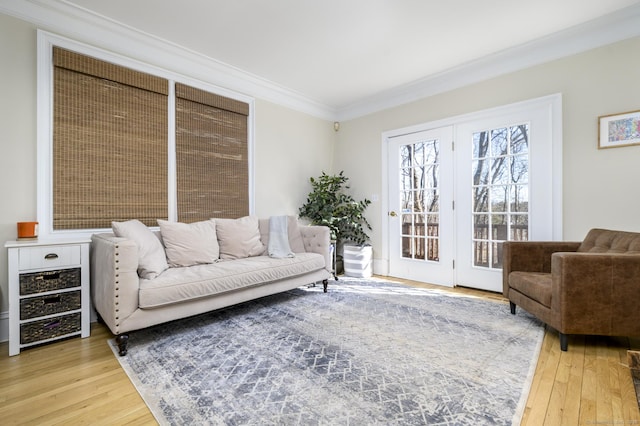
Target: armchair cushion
[(536, 285), (608, 241)]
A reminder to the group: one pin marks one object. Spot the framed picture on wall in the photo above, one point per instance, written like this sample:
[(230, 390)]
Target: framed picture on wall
[(619, 130)]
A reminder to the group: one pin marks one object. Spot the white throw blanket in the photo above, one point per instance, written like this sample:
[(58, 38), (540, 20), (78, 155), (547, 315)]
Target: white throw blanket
[(279, 237)]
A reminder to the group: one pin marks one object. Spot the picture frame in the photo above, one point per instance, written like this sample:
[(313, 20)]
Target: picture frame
[(617, 130)]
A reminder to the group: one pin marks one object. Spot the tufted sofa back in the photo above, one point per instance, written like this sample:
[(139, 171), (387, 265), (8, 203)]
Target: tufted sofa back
[(609, 241)]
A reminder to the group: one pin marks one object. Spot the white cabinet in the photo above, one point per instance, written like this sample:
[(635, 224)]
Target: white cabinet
[(48, 291)]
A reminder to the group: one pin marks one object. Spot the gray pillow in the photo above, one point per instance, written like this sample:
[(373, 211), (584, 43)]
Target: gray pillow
[(189, 244), (152, 260)]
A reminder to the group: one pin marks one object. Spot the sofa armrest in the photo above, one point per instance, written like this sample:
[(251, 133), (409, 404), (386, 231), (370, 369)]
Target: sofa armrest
[(597, 293), (317, 239), (530, 256), (114, 278)]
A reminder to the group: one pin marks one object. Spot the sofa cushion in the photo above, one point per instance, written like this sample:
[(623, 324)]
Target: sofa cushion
[(535, 285), (189, 244), (193, 282), (239, 238), (609, 241), (152, 260)]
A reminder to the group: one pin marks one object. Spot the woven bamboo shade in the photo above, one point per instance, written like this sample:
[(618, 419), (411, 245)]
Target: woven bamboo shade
[(109, 144), (211, 155)]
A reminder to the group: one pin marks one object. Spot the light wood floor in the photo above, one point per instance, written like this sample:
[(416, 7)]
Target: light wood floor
[(79, 381)]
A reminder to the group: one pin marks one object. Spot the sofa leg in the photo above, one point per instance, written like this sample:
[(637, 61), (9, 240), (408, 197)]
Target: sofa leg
[(122, 340), (564, 342), (325, 284), (512, 306)]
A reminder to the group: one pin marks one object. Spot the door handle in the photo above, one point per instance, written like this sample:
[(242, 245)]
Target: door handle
[(393, 214)]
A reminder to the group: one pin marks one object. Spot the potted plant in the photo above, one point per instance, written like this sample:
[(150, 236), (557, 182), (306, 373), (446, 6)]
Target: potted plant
[(328, 204)]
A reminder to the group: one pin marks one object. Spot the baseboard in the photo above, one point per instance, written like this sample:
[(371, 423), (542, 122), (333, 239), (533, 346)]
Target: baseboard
[(4, 326)]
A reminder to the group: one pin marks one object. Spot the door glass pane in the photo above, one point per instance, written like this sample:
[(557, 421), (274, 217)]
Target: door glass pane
[(405, 156), (480, 199), (419, 194), (519, 227), (480, 172), (419, 248), (520, 169), (499, 142), (406, 201), (500, 176), (480, 144)]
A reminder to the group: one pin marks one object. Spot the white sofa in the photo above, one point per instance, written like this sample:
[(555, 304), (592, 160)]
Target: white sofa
[(128, 297)]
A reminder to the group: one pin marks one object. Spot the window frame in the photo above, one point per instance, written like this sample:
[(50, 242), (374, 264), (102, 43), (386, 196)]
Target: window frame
[(44, 181)]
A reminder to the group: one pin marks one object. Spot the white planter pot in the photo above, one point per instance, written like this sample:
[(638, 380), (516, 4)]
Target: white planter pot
[(357, 261)]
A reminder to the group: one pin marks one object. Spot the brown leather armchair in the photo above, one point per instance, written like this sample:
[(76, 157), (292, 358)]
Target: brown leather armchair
[(590, 287)]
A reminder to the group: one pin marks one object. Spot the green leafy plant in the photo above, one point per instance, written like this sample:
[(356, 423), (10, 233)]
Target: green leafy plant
[(328, 204)]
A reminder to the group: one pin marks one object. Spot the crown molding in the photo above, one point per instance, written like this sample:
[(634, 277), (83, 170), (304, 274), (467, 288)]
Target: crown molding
[(73, 22), (611, 28), (87, 27)]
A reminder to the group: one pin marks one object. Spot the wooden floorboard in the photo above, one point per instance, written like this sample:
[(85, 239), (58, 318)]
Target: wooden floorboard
[(79, 381)]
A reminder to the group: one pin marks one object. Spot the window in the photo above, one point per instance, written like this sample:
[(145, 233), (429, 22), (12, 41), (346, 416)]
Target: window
[(211, 155), (109, 143), (128, 141)]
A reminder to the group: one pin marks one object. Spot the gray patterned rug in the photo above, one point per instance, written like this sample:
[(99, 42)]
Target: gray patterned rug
[(368, 352)]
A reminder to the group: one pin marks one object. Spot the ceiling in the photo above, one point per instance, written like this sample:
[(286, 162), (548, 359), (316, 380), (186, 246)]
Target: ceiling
[(338, 53)]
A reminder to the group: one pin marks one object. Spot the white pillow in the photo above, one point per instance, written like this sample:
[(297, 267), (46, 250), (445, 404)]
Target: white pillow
[(239, 238), (152, 260), (189, 244)]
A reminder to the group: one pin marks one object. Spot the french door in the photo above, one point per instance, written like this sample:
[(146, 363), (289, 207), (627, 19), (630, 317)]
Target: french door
[(421, 180), (451, 209)]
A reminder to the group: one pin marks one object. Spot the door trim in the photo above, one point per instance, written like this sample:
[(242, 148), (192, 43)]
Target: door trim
[(555, 103)]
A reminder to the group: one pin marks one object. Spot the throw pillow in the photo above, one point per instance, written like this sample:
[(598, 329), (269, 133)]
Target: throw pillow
[(152, 260), (239, 238), (189, 244), (295, 235)]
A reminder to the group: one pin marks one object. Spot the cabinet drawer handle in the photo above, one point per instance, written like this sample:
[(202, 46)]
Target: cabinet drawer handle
[(52, 324), (51, 256), (49, 276), (53, 299)]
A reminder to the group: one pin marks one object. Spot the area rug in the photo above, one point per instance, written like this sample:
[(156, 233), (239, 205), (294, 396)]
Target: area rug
[(367, 352)]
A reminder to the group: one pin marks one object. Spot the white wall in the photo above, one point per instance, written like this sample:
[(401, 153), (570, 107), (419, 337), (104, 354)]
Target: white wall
[(289, 147), (600, 186), (17, 134)]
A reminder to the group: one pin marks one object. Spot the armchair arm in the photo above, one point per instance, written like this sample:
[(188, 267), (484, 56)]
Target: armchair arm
[(317, 239), (597, 293), (530, 256), (114, 278)]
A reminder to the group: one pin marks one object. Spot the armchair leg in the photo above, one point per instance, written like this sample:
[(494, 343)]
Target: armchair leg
[(564, 342), (512, 306)]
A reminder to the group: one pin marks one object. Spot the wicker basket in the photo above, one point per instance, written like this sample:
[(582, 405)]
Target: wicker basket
[(49, 281), (39, 306), (37, 331)]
